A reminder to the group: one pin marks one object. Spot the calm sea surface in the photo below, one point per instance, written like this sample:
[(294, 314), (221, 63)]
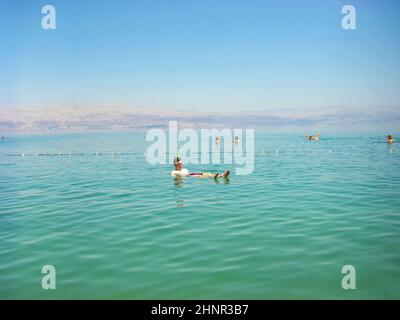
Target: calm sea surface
[(116, 227)]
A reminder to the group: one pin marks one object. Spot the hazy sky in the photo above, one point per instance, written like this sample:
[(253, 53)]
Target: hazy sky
[(198, 54)]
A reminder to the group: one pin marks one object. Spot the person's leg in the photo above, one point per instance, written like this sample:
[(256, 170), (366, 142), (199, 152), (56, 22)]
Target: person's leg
[(211, 175), (226, 173), (223, 175), (208, 175)]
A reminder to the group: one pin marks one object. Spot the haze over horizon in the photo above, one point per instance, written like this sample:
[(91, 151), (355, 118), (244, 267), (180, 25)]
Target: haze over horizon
[(123, 117)]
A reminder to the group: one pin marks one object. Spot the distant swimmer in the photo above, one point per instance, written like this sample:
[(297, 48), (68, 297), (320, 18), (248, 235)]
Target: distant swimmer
[(2, 137), (236, 140), (316, 137), (217, 140), (390, 139), (181, 172)]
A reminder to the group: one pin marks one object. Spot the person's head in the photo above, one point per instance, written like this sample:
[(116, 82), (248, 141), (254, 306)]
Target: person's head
[(389, 136), (178, 163)]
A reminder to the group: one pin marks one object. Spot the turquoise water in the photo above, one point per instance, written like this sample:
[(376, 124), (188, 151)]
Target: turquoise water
[(115, 227)]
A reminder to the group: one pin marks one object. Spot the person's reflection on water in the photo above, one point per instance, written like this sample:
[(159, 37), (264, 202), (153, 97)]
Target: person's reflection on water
[(392, 149), (224, 180), (178, 183)]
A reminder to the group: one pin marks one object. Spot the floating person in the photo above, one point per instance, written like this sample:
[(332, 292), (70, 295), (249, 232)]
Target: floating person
[(390, 139), (217, 140), (315, 137), (182, 172), (236, 140)]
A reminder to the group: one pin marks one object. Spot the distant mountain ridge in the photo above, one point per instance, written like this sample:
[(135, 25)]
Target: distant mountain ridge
[(123, 117)]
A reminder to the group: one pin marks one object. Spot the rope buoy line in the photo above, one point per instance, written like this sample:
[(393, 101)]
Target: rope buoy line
[(111, 153)]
